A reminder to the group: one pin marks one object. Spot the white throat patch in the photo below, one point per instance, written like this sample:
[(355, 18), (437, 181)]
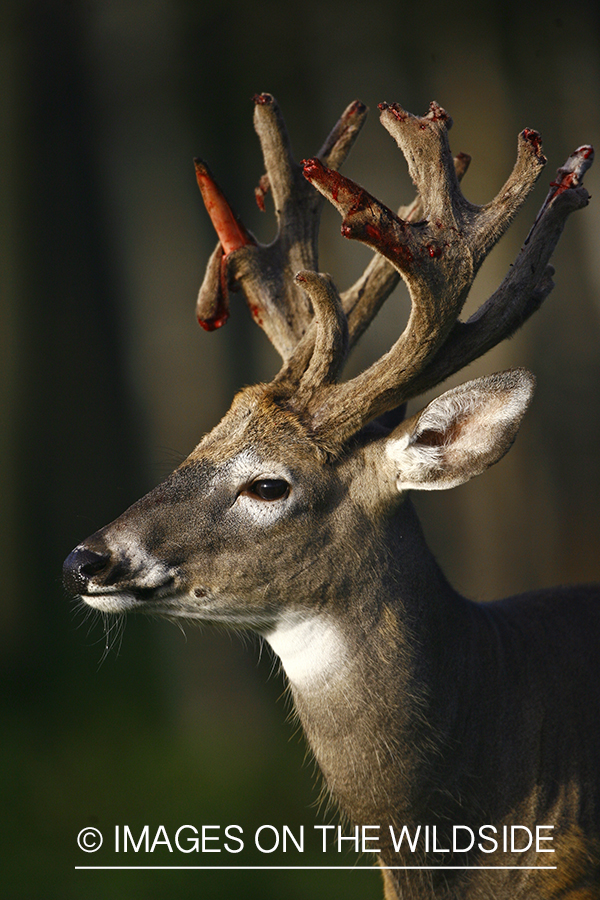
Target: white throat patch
[(312, 650)]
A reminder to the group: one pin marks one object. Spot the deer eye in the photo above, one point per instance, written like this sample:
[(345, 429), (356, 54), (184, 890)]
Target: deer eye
[(269, 489)]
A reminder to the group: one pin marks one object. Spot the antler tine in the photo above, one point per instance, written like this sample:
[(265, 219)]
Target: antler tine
[(331, 344), (363, 300), (284, 175), (491, 221), (424, 143), (340, 139), (438, 258), (266, 273), (212, 306), (526, 286)]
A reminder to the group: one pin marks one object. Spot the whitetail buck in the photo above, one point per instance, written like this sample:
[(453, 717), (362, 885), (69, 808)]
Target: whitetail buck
[(292, 518)]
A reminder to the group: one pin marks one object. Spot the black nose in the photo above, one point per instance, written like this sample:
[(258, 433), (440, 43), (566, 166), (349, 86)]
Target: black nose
[(80, 566)]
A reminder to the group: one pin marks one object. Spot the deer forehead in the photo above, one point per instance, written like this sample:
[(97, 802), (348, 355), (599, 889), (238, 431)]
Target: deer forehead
[(258, 422)]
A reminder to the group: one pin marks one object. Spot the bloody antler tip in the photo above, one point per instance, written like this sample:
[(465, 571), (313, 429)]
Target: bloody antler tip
[(534, 139), (357, 107), (262, 99), (312, 167), (261, 190), (204, 176), (585, 152), (213, 324), (229, 228), (437, 113), (396, 110)]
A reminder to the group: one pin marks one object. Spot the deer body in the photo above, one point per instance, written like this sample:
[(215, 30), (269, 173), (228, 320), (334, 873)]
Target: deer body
[(432, 764), (292, 517)]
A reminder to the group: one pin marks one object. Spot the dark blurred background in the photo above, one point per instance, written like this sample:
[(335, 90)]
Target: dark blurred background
[(106, 382)]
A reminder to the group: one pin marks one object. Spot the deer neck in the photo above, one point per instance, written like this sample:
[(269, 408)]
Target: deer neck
[(369, 679)]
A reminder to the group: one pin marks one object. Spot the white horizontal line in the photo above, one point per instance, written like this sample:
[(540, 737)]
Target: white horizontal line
[(308, 868)]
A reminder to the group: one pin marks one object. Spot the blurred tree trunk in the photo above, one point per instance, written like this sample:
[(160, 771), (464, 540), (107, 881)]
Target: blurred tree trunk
[(68, 418)]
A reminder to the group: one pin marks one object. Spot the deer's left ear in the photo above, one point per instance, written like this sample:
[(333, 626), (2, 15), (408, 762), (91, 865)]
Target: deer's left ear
[(461, 433)]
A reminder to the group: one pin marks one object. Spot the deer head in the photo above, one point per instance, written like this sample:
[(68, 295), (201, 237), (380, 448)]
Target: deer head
[(263, 493)]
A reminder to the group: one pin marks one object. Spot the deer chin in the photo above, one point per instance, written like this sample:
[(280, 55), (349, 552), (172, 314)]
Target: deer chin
[(114, 602), (173, 602), (112, 599)]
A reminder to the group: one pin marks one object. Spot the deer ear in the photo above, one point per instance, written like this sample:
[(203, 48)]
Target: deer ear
[(460, 434)]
